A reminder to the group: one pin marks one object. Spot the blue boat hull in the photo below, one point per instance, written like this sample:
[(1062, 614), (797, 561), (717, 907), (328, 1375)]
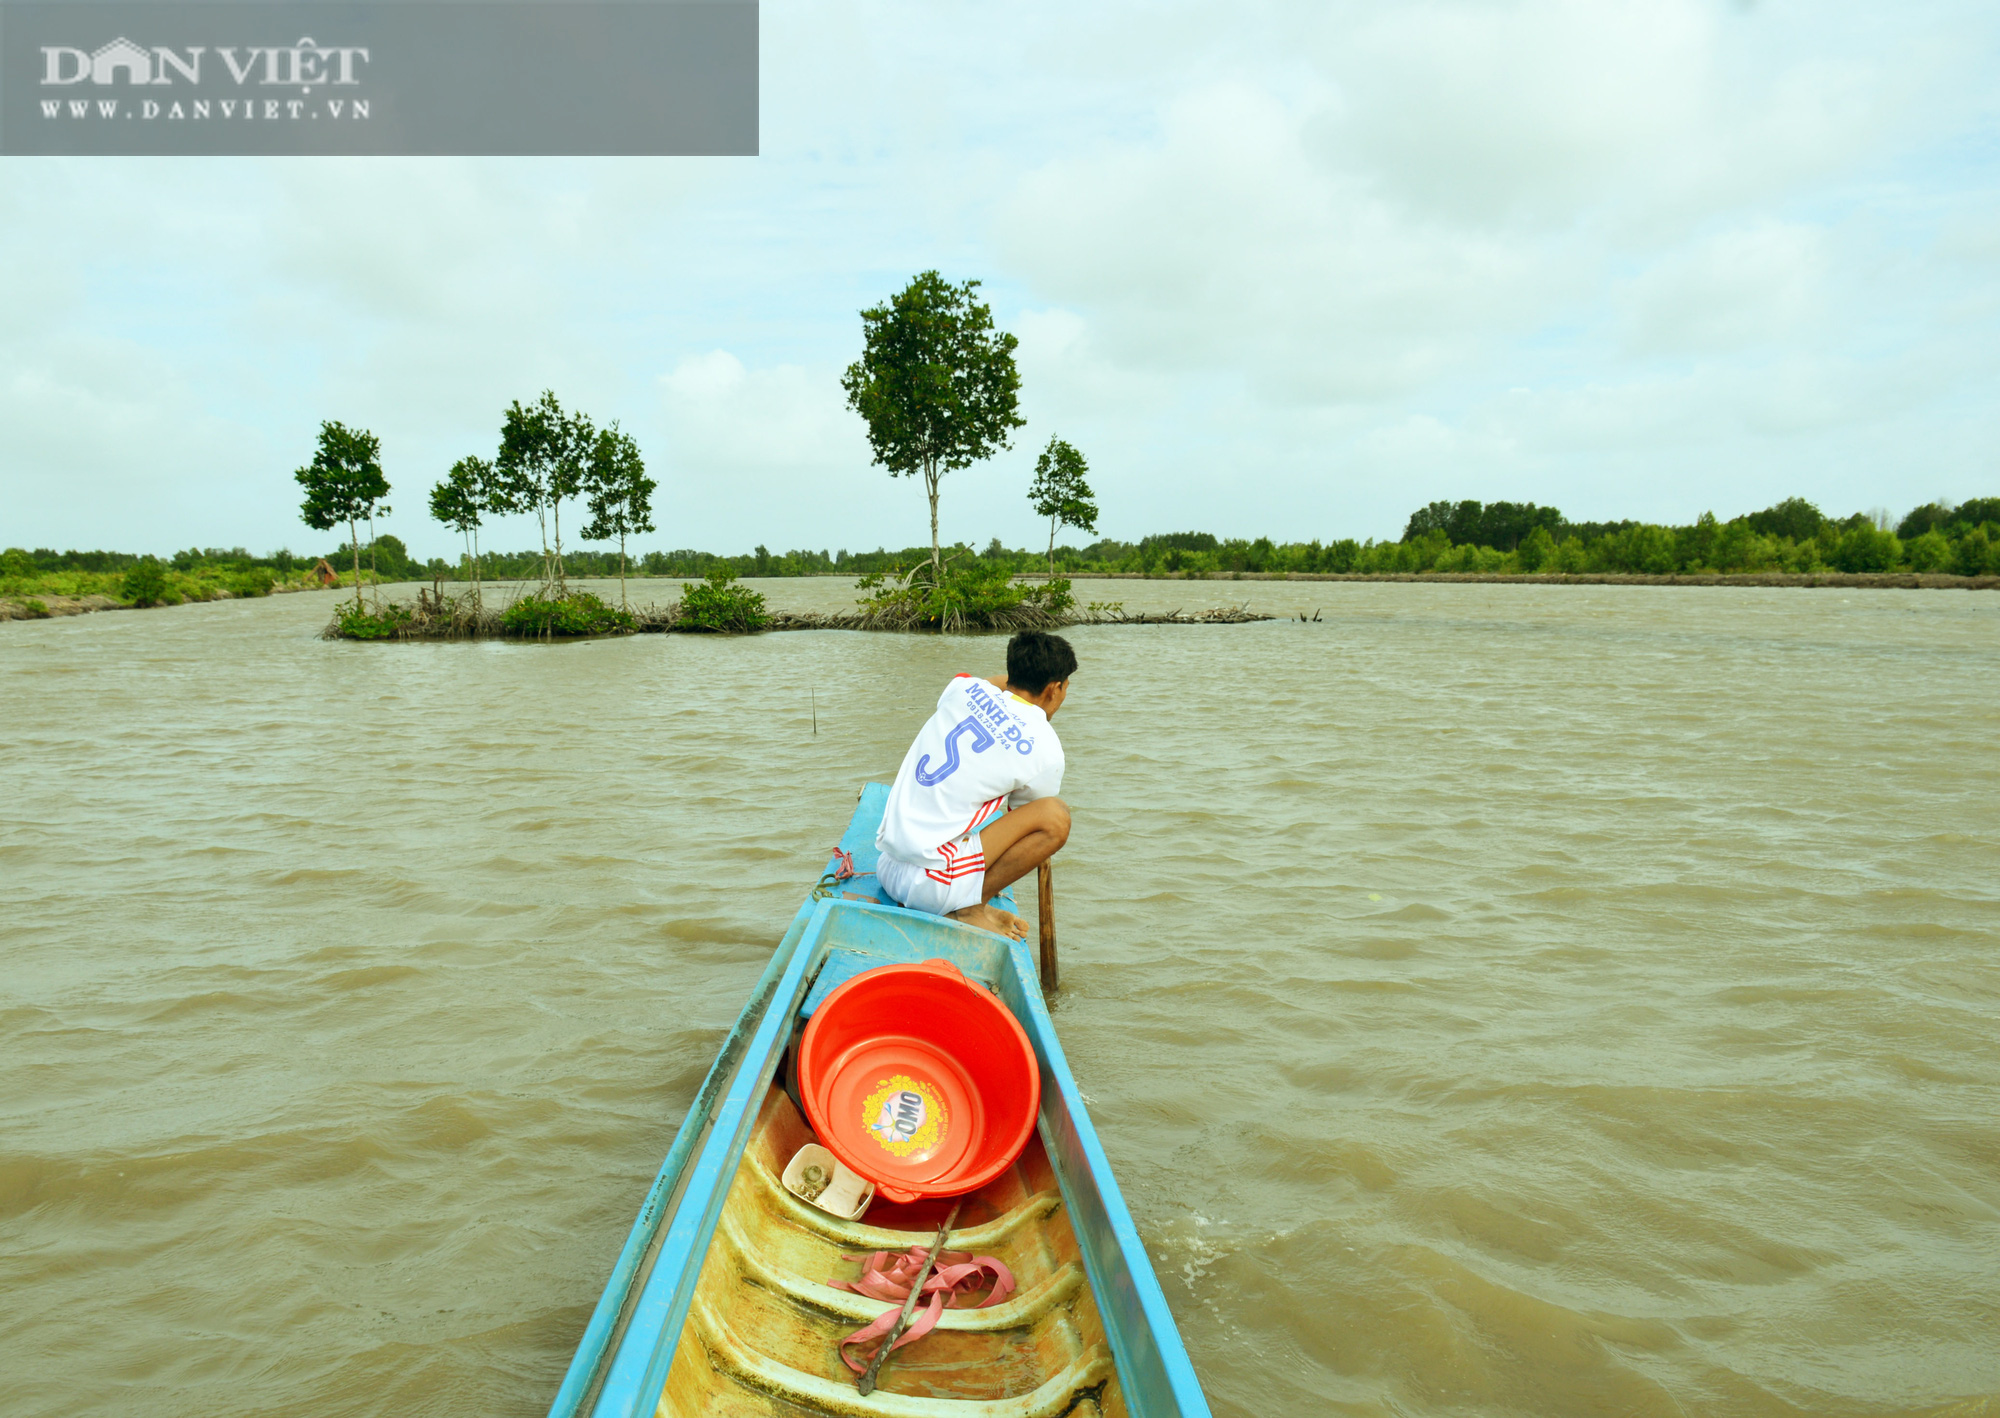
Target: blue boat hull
[(642, 1322)]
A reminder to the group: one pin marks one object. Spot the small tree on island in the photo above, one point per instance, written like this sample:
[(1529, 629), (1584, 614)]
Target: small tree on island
[(620, 494), (936, 384), (344, 483), (520, 472), (569, 475), (1060, 493), (544, 458), (459, 500)]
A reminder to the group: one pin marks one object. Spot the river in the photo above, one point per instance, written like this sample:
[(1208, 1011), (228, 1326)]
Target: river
[(1495, 999)]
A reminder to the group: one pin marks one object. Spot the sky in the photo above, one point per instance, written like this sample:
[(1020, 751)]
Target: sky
[(1286, 270)]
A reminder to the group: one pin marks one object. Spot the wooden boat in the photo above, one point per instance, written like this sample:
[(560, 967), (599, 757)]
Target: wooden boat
[(718, 1303)]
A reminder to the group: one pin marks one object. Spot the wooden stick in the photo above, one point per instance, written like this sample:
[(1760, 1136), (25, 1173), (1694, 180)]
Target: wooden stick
[(1045, 904), (866, 1383)]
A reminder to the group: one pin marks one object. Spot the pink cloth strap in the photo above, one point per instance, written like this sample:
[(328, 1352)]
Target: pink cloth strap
[(843, 870), (957, 1276)]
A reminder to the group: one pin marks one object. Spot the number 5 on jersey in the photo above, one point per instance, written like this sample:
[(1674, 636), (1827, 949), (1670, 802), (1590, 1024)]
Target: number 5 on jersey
[(981, 741)]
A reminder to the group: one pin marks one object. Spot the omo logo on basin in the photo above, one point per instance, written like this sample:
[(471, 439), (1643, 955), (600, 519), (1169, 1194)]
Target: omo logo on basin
[(906, 1116)]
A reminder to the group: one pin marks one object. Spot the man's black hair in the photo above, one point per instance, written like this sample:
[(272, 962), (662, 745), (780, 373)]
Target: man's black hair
[(1037, 659)]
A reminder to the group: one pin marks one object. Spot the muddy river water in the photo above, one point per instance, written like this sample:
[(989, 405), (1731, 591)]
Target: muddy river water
[(1495, 1000)]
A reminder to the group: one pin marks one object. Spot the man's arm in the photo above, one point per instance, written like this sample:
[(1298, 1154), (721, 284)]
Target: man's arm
[(1046, 784)]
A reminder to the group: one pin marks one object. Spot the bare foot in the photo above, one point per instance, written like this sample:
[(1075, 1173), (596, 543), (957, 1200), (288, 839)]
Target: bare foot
[(991, 918)]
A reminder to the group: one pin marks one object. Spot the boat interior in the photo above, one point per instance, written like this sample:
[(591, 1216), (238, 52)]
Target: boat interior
[(763, 1333)]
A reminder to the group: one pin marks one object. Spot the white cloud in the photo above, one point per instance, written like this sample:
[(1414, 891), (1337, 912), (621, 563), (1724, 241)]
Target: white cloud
[(1226, 244), (1453, 177), (1546, 110), (784, 420), (1761, 284)]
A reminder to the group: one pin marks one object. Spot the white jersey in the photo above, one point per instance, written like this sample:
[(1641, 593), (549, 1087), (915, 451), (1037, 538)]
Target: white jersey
[(983, 750)]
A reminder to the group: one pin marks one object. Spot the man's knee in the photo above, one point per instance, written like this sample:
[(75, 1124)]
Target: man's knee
[(1058, 819)]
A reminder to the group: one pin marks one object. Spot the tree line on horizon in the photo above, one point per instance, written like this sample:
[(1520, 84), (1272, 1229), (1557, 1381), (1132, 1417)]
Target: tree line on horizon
[(1792, 535), (1470, 537)]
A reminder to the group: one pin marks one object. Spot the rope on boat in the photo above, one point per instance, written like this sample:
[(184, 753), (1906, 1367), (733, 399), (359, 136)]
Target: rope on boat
[(843, 870), (958, 1276)]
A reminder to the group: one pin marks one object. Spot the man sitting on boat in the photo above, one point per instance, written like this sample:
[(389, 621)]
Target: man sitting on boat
[(974, 808)]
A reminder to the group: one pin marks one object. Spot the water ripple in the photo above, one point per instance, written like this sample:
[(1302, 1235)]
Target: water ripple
[(1496, 1000)]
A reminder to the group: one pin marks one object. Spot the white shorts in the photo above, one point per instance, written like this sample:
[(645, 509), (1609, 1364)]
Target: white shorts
[(919, 888)]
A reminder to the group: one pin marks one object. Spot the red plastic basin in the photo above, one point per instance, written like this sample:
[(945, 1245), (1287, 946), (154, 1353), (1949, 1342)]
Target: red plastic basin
[(919, 1080)]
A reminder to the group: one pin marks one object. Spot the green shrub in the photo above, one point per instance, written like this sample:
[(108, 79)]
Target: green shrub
[(1930, 551), (974, 597), (720, 606), (359, 623), (1928, 517), (1978, 553), (579, 613), (1739, 547), (1469, 559), (1794, 518), (1458, 559), (1641, 549), (1568, 559), (146, 583), (1421, 553), (1535, 550), (1054, 596), (37, 610), (1194, 563), (1801, 558), (1866, 548), (249, 580)]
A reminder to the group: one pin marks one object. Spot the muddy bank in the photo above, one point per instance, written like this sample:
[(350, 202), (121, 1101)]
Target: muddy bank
[(46, 607), (794, 620), (1851, 580), (449, 619)]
